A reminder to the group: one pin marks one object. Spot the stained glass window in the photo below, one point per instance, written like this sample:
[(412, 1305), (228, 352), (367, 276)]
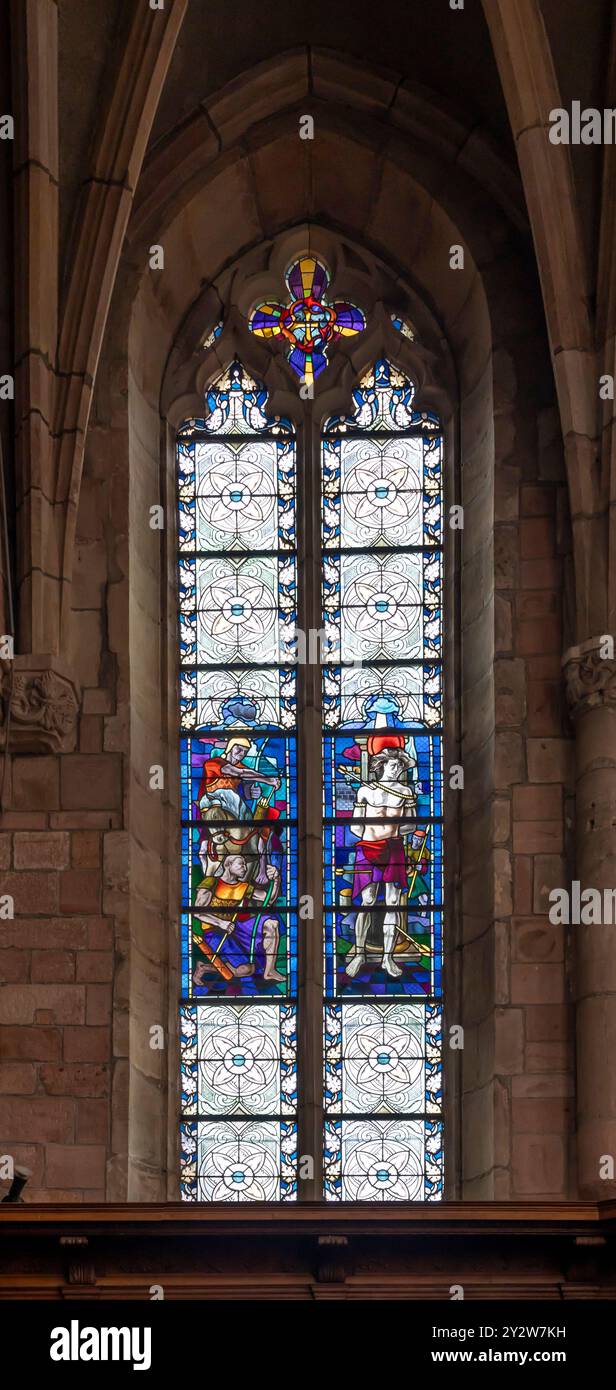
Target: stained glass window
[(383, 836), (310, 321), (381, 621), (215, 333), (403, 326), (238, 749)]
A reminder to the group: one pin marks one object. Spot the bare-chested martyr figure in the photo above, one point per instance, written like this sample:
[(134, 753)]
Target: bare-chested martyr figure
[(380, 819)]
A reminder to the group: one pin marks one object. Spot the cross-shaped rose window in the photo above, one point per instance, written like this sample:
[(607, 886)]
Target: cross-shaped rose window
[(310, 322)]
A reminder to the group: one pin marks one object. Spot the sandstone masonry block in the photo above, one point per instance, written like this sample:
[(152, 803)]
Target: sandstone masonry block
[(534, 635), (508, 1041), (535, 939), (536, 501), (92, 1121), (17, 1078), (533, 1085), (91, 733), (32, 892), (548, 1022), (87, 1044), (510, 692), (100, 934), (37, 1118), (41, 850), (522, 883), (79, 1165), (537, 540), (63, 1003), (538, 837), (98, 1004), (52, 967), (537, 984), (539, 1164), (537, 803), (85, 849), (36, 783), (541, 574), (91, 783), (550, 760), (95, 967), (33, 1044), (41, 934), (538, 603), (545, 708), (545, 667), (549, 1057), (75, 1079), (14, 965), (508, 760), (549, 873), (80, 891), (547, 1116)]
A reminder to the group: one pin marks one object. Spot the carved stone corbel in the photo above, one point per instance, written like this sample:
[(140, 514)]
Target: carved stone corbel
[(39, 705), (590, 677)]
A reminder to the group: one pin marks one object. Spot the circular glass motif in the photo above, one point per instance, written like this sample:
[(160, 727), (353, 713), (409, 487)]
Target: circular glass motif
[(236, 1169), (381, 491), (236, 495), (240, 1069), (382, 1164), (237, 610), (383, 1067), (382, 606)]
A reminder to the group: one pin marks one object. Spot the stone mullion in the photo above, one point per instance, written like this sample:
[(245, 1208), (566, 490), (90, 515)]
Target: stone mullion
[(310, 814)]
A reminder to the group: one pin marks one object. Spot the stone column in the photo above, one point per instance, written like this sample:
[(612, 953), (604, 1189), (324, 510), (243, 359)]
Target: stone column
[(590, 680)]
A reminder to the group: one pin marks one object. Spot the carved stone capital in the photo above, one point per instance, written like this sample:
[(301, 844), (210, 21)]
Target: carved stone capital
[(44, 699), (589, 676)]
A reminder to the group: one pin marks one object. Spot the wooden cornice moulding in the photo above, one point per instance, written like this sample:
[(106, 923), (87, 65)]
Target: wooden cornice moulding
[(544, 1251), (538, 1251), (172, 1219), (44, 697)]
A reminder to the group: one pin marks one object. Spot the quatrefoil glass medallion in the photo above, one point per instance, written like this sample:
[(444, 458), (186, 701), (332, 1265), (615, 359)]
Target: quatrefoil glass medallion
[(310, 322)]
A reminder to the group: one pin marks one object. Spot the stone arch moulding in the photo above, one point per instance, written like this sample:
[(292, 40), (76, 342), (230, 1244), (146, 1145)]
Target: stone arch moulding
[(371, 113), (226, 231)]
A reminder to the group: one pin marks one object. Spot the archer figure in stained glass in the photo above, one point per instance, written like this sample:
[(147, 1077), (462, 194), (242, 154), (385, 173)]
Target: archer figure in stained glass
[(223, 777), (241, 855), (310, 322)]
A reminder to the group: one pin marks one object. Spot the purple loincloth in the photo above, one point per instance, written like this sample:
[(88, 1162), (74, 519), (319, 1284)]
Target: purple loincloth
[(379, 861), (238, 948)]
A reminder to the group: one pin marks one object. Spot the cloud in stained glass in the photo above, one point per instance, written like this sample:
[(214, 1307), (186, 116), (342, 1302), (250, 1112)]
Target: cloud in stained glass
[(310, 322)]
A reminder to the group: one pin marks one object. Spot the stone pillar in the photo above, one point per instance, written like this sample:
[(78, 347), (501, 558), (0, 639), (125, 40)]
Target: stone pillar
[(590, 680)]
